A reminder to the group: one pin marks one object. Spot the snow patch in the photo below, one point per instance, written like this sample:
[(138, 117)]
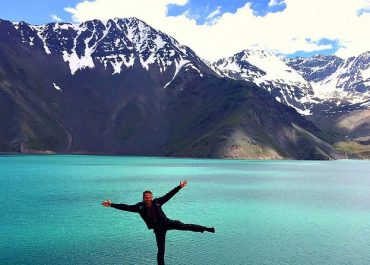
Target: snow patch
[(231, 67), (365, 104), (117, 61), (178, 67), (86, 61), (39, 31), (57, 87), (151, 59), (275, 68), (116, 67), (117, 42), (306, 112), (66, 26), (365, 74), (159, 42), (76, 63), (130, 62)]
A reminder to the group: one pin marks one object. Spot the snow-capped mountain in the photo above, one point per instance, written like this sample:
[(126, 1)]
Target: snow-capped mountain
[(270, 72), (317, 67), (319, 84), (122, 87), (336, 80), (116, 44), (316, 84)]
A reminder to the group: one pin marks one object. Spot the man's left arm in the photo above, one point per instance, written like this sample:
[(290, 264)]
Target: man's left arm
[(162, 200)]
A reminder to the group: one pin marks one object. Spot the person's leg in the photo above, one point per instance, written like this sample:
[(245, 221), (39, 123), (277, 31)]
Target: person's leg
[(161, 245), (178, 225)]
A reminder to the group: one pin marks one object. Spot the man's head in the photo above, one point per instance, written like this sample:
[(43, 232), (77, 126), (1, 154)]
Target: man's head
[(148, 197)]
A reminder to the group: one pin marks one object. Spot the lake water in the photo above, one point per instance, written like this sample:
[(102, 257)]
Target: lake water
[(265, 212)]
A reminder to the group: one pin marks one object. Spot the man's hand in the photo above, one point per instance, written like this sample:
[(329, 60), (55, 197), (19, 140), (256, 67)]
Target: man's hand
[(183, 183), (106, 203)]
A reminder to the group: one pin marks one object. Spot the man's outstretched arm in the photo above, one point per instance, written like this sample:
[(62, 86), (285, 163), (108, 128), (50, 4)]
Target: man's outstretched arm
[(168, 196), (121, 206)]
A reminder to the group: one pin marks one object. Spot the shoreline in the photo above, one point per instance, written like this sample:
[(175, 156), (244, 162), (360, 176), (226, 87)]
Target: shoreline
[(48, 152)]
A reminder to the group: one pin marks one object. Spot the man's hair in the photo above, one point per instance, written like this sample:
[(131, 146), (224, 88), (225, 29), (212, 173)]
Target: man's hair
[(147, 191)]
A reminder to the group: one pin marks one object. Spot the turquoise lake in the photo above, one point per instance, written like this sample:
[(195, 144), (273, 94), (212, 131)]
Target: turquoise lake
[(265, 212)]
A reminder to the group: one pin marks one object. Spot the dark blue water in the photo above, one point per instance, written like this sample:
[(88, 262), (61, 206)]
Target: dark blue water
[(265, 212)]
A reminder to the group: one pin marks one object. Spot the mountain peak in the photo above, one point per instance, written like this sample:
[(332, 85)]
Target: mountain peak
[(258, 52), (270, 72), (116, 44)]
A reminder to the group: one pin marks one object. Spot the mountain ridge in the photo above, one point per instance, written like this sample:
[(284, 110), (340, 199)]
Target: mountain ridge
[(316, 85), (168, 101)]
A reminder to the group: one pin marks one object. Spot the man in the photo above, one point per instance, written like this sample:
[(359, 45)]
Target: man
[(151, 212)]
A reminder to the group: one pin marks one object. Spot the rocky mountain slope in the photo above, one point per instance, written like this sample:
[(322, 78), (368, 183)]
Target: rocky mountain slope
[(122, 87), (332, 92), (318, 85), (270, 72)]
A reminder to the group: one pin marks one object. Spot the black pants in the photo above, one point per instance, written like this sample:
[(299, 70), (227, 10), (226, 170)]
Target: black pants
[(160, 235)]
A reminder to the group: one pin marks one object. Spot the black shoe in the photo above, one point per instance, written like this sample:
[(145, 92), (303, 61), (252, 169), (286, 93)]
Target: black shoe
[(210, 229)]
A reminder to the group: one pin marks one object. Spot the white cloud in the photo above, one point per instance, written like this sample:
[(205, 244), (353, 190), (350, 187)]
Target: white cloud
[(275, 3), (214, 13), (192, 14), (298, 27), (105, 9), (56, 18), (213, 17)]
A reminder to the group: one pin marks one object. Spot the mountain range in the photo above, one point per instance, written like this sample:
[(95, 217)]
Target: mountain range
[(122, 87)]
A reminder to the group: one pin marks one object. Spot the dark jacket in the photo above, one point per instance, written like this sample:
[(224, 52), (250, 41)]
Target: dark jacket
[(143, 210)]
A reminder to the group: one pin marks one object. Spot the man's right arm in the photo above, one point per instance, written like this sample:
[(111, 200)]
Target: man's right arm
[(121, 206), (124, 207)]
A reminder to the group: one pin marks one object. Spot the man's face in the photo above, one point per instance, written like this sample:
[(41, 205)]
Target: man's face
[(148, 198)]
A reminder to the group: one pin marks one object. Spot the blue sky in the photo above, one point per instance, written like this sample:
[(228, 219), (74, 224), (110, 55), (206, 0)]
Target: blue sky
[(41, 11), (35, 11), (200, 10), (220, 28)]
